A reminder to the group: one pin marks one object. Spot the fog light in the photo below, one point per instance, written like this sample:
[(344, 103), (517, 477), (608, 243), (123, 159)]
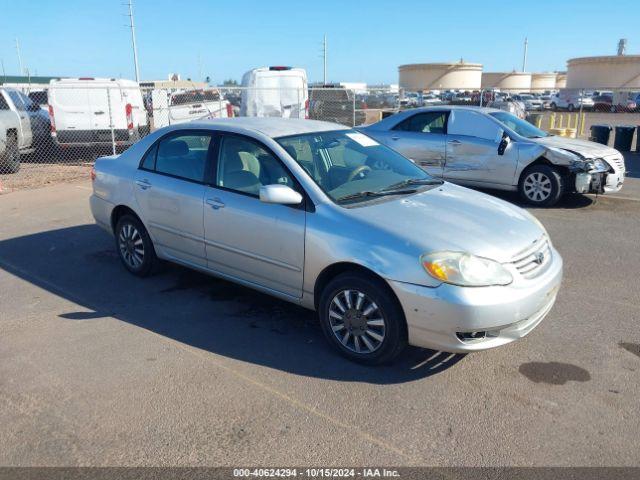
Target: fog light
[(471, 336)]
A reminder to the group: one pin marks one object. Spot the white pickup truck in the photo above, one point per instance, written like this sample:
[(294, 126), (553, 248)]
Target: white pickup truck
[(9, 143), (23, 127), (181, 107)]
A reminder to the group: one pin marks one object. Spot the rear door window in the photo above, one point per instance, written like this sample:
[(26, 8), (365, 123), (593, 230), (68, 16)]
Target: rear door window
[(182, 155), (426, 122)]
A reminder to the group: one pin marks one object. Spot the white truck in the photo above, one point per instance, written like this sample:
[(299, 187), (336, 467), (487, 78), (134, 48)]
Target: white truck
[(23, 127), (170, 108), (275, 92), (9, 143), (96, 112)]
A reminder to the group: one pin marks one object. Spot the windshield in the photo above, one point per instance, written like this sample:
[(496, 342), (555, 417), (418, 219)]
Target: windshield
[(350, 166), (521, 127)]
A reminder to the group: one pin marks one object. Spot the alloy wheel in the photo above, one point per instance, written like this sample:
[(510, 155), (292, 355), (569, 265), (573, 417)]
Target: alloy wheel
[(357, 321), (131, 246), (537, 187)]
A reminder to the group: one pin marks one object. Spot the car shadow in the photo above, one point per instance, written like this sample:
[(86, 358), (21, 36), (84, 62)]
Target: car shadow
[(80, 264)]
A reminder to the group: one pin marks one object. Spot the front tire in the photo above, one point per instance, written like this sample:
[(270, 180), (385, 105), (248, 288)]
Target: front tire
[(571, 108), (362, 319), (541, 185), (11, 161), (134, 246)]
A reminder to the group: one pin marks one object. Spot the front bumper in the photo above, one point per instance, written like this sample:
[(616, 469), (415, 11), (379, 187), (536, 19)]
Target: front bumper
[(436, 317), (613, 182)]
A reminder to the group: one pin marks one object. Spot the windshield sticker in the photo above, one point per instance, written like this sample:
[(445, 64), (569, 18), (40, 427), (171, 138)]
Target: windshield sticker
[(363, 139)]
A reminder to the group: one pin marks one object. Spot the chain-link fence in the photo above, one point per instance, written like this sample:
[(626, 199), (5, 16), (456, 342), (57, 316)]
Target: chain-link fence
[(55, 132)]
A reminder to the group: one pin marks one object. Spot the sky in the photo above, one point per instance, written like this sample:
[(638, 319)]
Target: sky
[(367, 40)]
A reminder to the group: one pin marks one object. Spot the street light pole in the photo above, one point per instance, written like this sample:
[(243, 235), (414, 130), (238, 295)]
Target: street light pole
[(133, 41), (324, 59), (19, 57)]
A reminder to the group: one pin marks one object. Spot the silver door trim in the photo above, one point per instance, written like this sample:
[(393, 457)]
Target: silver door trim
[(180, 233), (238, 280), (253, 256)]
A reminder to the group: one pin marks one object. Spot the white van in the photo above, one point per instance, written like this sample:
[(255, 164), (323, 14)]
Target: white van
[(93, 111), (170, 108), (275, 92)]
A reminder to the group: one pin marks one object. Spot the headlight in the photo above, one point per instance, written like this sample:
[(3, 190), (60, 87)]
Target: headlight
[(464, 269)]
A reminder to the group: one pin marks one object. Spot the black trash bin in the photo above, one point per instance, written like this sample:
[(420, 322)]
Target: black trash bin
[(600, 134), (624, 137), (533, 118)]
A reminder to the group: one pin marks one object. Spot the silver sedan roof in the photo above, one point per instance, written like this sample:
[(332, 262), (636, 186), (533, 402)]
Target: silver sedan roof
[(273, 127)]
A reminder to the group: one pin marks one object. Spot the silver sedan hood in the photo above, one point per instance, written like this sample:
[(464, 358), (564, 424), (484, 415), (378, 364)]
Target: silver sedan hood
[(583, 148), (453, 218)]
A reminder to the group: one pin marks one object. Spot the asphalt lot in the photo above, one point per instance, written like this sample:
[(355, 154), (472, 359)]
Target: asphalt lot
[(100, 368)]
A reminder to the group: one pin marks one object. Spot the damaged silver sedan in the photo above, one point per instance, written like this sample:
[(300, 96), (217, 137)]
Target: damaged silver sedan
[(490, 148)]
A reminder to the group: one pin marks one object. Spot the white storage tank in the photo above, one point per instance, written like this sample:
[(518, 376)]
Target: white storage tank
[(561, 80), (541, 82), (513, 81), (440, 76), (605, 72)]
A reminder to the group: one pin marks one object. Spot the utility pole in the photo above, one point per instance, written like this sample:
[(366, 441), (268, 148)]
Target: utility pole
[(19, 56), (324, 59), (133, 41), (524, 58)]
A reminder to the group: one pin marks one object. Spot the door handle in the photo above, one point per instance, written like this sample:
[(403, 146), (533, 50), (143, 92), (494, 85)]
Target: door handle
[(215, 203), (395, 137), (143, 184), (98, 113), (454, 142)]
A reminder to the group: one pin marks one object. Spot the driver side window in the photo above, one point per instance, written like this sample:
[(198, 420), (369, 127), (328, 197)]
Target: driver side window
[(244, 166), (426, 122)]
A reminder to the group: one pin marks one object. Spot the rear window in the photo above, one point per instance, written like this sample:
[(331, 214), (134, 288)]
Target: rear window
[(188, 98)]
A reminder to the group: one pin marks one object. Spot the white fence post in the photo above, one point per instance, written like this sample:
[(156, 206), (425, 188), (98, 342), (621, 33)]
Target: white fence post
[(113, 135)]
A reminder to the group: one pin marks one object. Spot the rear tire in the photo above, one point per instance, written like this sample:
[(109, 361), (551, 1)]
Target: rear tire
[(362, 319), (541, 185), (134, 246)]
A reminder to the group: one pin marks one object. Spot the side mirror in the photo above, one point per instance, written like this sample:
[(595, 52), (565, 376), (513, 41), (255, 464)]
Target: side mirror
[(280, 194), (504, 143)]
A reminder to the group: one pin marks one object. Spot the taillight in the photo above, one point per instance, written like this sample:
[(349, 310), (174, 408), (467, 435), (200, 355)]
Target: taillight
[(52, 121), (306, 109), (92, 174), (129, 111), (229, 110)]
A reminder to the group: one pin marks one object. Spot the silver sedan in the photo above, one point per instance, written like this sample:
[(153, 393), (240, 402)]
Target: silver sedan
[(325, 217), (491, 148)]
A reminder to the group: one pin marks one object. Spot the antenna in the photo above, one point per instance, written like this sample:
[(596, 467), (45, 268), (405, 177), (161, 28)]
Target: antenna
[(524, 58), (133, 40), (19, 57)]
